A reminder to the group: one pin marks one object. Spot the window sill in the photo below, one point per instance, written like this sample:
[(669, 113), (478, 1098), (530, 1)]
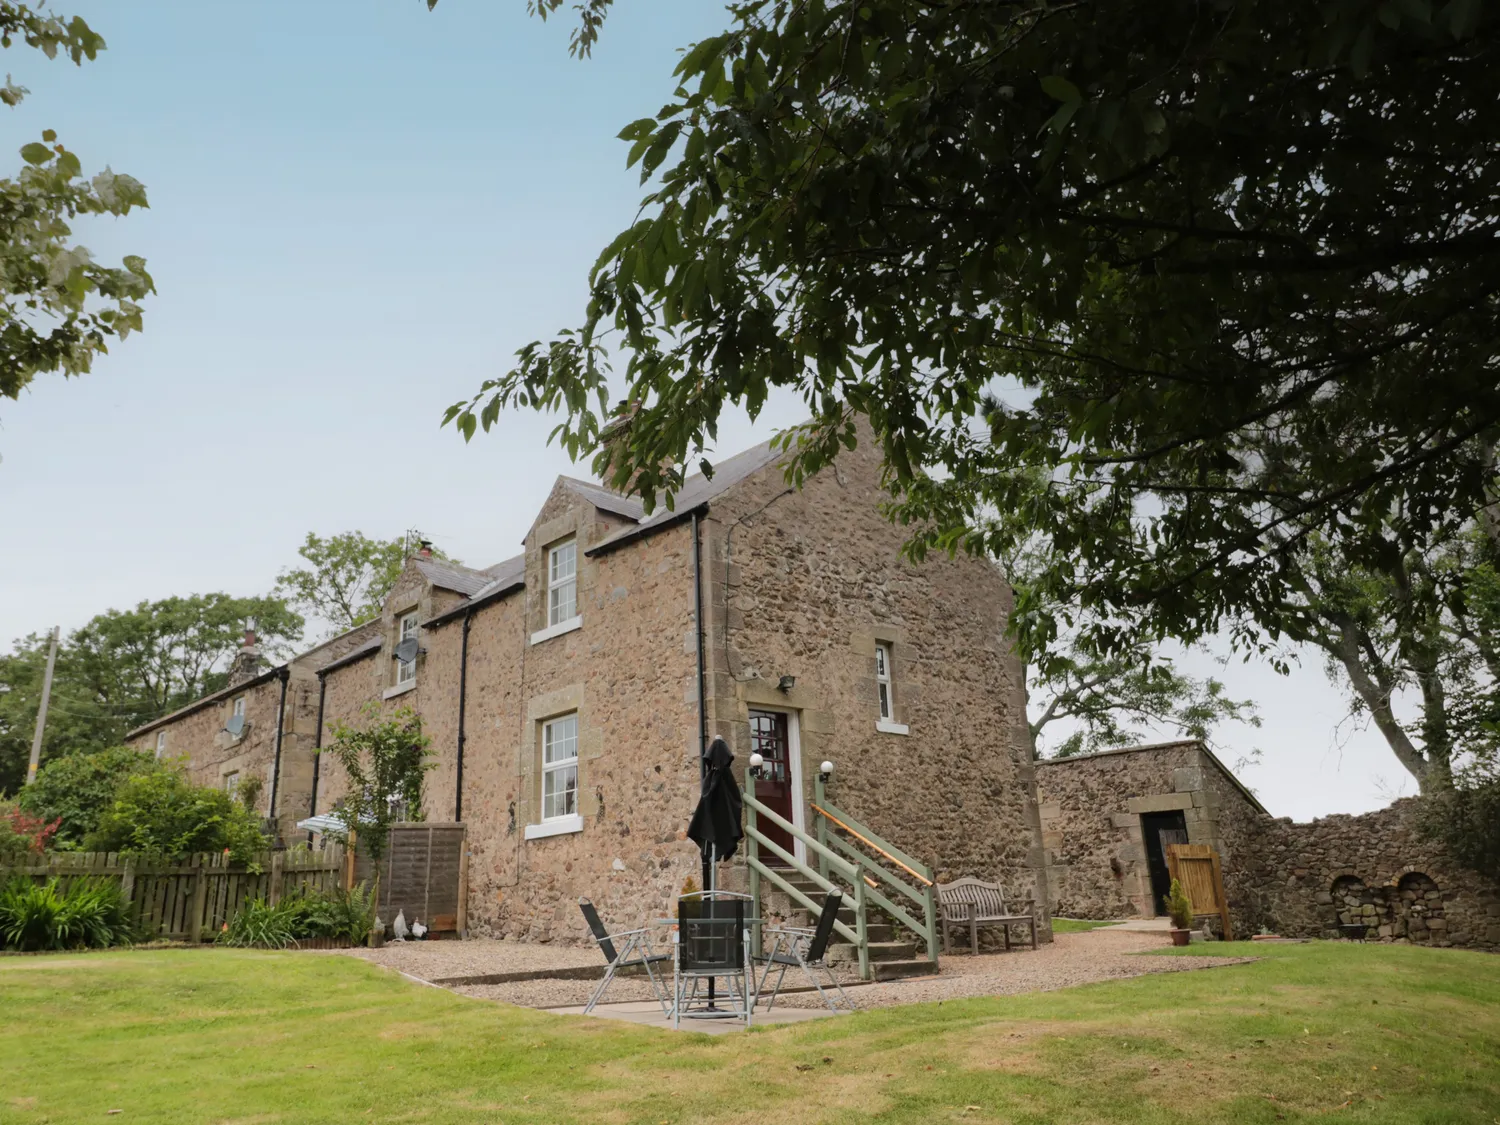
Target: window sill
[(561, 826), (557, 630), (885, 726), (399, 689)]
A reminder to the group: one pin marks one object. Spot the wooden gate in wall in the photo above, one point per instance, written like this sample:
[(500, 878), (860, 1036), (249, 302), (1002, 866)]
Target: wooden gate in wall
[(1197, 868)]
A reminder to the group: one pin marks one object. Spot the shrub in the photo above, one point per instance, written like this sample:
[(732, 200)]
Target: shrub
[(338, 915), (261, 925), (22, 835), (89, 915), (163, 814), (78, 788), (1179, 909)]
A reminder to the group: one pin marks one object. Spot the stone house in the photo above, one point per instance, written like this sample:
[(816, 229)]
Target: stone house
[(568, 691), (1107, 817)]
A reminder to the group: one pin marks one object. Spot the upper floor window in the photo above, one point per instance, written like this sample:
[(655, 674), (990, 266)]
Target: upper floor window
[(231, 782), (406, 670), (883, 682), (237, 708), (560, 767), (161, 743), (562, 582)]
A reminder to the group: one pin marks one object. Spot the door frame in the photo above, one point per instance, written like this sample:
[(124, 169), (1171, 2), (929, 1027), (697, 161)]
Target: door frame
[(794, 757)]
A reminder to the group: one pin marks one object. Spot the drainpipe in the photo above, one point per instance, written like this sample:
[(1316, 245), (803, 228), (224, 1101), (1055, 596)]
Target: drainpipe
[(702, 709), (698, 639), (463, 692), (317, 757), (284, 675)]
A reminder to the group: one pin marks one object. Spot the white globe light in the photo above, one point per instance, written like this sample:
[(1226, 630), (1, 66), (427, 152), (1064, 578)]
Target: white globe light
[(826, 767), (756, 761)]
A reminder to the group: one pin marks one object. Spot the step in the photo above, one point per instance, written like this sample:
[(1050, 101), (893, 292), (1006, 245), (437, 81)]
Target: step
[(879, 951), (895, 970)]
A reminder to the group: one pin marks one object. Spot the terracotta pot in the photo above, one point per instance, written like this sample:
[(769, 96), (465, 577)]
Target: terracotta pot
[(1181, 937)]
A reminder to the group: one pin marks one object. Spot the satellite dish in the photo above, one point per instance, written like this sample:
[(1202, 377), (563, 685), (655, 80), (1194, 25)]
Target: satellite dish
[(235, 725), (406, 651)]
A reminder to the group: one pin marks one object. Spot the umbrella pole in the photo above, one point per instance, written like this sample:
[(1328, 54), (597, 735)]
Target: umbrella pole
[(709, 871)]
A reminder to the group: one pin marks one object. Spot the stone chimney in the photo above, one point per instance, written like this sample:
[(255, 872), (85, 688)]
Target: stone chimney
[(246, 664)]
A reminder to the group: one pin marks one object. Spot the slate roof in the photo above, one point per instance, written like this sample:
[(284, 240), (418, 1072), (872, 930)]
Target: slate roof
[(451, 576), (697, 491)]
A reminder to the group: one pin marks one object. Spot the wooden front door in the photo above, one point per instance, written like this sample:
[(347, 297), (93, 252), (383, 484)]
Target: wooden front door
[(770, 738)]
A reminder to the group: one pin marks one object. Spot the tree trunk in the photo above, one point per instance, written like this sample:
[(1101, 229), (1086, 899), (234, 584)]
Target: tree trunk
[(1345, 648)]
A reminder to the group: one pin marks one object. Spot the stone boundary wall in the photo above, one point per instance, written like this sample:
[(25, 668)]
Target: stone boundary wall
[(1372, 876), (1374, 871)]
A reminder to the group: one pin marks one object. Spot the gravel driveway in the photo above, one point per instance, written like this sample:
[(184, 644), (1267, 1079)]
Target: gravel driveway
[(1071, 959)]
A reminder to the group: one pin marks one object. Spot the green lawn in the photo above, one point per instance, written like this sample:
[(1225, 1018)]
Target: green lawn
[(1356, 1032), (1076, 925)]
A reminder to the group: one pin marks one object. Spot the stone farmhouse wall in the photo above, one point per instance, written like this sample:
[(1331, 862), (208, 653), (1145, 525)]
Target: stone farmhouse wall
[(212, 756), (795, 583), (805, 583), (1373, 871)]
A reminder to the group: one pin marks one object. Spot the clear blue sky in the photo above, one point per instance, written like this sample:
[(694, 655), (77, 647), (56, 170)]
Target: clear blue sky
[(359, 210)]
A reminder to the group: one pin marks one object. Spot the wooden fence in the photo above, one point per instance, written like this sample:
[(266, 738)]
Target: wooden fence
[(423, 874), (189, 899)]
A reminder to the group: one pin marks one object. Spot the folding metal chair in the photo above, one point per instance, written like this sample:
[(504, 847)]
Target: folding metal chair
[(634, 953), (713, 942), (806, 949)]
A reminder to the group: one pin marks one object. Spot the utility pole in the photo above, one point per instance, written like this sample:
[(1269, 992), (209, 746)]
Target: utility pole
[(41, 712)]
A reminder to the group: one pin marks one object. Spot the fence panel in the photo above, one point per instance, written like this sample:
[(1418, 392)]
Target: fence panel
[(191, 898), (420, 874)]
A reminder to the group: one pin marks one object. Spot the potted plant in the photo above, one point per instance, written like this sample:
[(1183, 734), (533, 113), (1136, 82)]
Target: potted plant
[(1180, 911)]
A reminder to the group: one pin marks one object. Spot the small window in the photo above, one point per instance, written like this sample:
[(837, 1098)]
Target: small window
[(883, 682), (406, 670), (231, 782), (562, 582), (560, 767), (161, 743), (238, 706)]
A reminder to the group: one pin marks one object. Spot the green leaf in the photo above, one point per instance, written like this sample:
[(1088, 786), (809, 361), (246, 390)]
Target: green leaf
[(1058, 87), (36, 153)]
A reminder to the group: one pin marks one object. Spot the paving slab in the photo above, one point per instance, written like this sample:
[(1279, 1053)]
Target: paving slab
[(648, 1014)]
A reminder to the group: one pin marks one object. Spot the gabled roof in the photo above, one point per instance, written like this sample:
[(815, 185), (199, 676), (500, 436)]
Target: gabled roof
[(203, 701), (452, 576), (354, 655), (602, 498), (698, 491)]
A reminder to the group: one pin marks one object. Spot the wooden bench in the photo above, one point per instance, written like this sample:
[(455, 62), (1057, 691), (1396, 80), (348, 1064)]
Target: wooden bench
[(973, 903)]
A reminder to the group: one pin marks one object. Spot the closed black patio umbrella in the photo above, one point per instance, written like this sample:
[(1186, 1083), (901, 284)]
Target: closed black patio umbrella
[(716, 824)]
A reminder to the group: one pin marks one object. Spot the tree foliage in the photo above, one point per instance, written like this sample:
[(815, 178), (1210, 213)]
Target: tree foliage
[(347, 576), (78, 788), (127, 667), (1231, 268), (163, 814), (1412, 633), (384, 761), (58, 307)]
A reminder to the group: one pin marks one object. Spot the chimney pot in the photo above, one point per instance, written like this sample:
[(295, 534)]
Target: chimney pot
[(425, 548)]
